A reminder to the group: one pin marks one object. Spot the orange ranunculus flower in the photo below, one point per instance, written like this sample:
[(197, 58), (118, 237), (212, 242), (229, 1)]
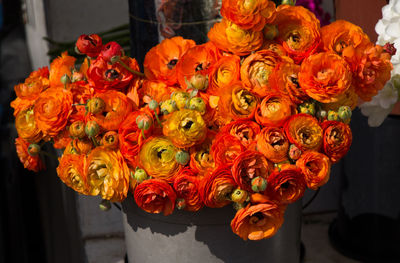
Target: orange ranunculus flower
[(229, 37), (78, 146), (216, 187), (223, 73), (33, 163), (196, 60), (26, 126), (36, 82), (245, 130), (304, 131), (81, 91), (201, 158), (21, 105), (62, 139), (104, 76), (155, 196), (247, 166), (249, 15), (256, 222), (340, 34), (130, 138), (271, 45), (371, 69), (72, 170), (299, 31), (256, 69), (316, 168), (156, 90), (110, 140), (325, 77), (348, 98), (157, 157), (284, 79), (108, 174), (337, 139), (117, 107), (186, 185), (59, 67), (89, 45), (286, 186), (274, 110), (272, 142), (52, 110), (225, 149), (185, 128), (160, 61)]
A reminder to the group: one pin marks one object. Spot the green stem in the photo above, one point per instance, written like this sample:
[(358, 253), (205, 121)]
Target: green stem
[(49, 155), (158, 120), (94, 141), (129, 69), (144, 137)]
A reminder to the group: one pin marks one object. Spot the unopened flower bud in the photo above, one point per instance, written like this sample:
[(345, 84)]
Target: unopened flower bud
[(77, 130), (65, 79), (111, 49), (239, 196), (182, 157), (140, 175), (307, 107), (144, 121), (33, 149), (258, 184), (197, 104), (294, 152), (92, 129), (333, 115), (344, 113), (105, 205), (153, 105), (110, 139), (180, 203), (168, 107), (95, 105), (180, 98), (288, 2), (270, 31), (199, 82)]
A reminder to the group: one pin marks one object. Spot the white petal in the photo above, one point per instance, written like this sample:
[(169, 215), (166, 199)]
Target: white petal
[(393, 30)]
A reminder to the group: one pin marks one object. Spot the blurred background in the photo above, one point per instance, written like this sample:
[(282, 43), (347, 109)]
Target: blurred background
[(354, 218)]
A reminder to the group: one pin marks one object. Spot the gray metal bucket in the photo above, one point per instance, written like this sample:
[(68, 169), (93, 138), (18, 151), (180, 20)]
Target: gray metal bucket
[(205, 236)]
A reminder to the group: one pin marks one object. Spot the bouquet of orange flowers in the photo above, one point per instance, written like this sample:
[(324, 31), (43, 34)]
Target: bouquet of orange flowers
[(251, 118)]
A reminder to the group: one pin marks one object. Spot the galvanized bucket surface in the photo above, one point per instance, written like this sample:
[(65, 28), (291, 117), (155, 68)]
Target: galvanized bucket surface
[(205, 236)]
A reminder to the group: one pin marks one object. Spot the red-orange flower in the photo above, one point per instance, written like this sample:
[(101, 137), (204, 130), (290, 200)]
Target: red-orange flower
[(89, 45), (186, 185), (78, 146), (156, 90), (337, 139), (72, 170), (272, 142), (59, 67), (250, 15), (216, 187), (36, 82), (245, 130), (274, 110), (223, 73), (201, 159), (52, 109), (247, 166), (325, 77), (298, 31), (160, 62), (225, 149), (155, 196), (256, 222), (286, 186), (316, 168), (230, 37), (304, 131), (33, 163)]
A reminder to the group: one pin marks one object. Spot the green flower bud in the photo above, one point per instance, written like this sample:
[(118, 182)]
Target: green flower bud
[(153, 104), (199, 82), (258, 184), (197, 104), (114, 59), (33, 149), (180, 203), (105, 205), (344, 113), (182, 157), (144, 121), (65, 79), (95, 105), (333, 115), (168, 107), (180, 98), (307, 107), (140, 175), (288, 2), (239, 196), (92, 129)]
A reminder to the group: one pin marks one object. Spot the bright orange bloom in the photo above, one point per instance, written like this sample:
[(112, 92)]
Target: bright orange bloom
[(249, 15), (59, 67), (337, 139), (247, 166), (108, 174), (371, 69), (160, 61), (230, 37), (118, 106), (272, 142), (341, 34), (20, 105), (274, 110), (26, 126), (72, 170), (156, 90), (316, 168), (223, 73), (256, 222), (36, 82), (225, 149), (325, 77), (271, 45), (298, 31), (245, 130), (348, 98), (216, 187), (256, 69), (155, 196), (304, 131), (78, 146), (286, 186), (52, 109), (200, 155), (62, 139), (31, 163), (186, 185)]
